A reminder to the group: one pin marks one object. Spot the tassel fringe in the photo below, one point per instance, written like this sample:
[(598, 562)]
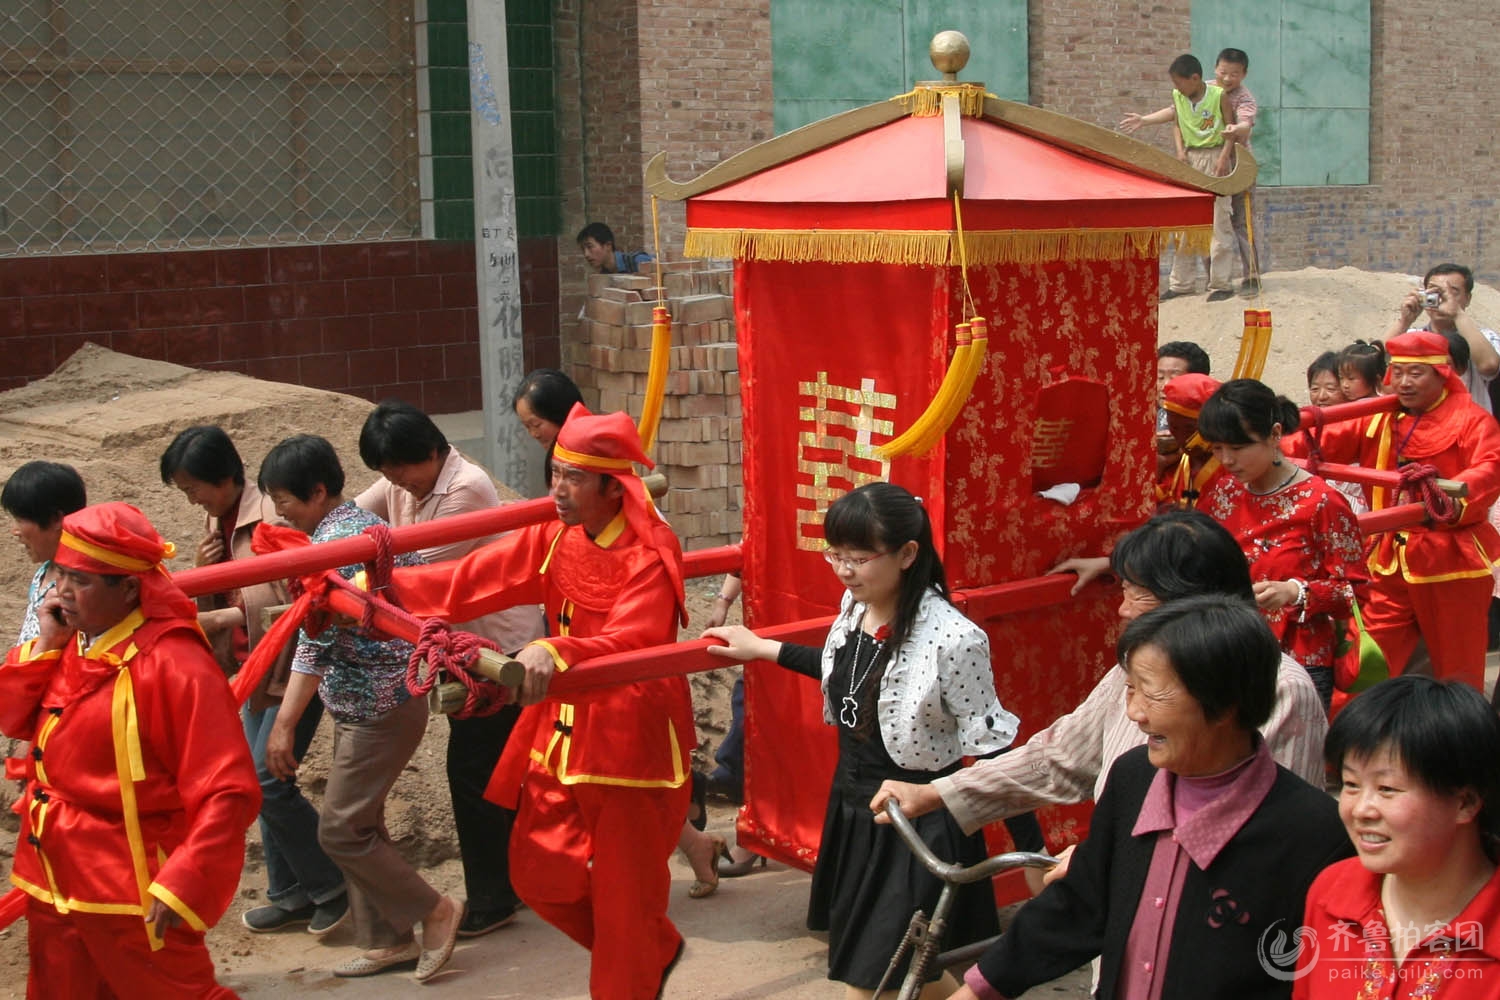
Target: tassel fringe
[(958, 382), (656, 376), (927, 101), (939, 248)]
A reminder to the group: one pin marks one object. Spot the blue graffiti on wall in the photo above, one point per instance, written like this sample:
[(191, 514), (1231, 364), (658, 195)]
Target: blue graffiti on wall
[(481, 88)]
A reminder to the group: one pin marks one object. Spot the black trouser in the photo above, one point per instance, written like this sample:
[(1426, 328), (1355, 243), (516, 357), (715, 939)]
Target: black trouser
[(1026, 833), (474, 747)]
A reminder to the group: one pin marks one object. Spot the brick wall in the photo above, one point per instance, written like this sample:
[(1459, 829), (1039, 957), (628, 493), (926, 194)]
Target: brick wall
[(1428, 198), (698, 442), (704, 93), (373, 320), (705, 88)]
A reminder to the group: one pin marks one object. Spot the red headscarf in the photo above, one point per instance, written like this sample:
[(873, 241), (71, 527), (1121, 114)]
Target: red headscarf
[(610, 444), (1426, 348), (1186, 394), (116, 539)]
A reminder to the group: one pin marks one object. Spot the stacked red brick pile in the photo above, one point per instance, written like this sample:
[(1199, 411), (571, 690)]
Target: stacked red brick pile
[(698, 445)]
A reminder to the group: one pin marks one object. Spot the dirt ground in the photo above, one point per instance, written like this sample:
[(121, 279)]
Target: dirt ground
[(110, 415), (1312, 310)]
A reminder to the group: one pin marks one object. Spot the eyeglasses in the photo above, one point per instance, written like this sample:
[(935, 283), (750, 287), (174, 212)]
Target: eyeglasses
[(844, 563)]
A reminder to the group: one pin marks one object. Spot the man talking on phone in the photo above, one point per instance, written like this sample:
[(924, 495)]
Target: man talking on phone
[(135, 805)]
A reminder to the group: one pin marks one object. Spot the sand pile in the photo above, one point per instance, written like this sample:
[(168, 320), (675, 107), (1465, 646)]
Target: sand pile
[(1313, 310)]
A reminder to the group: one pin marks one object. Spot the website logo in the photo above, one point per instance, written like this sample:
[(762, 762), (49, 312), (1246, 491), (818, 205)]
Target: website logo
[(1284, 956)]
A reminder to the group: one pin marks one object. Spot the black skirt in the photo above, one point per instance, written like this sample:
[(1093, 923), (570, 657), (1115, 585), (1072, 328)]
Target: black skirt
[(867, 883)]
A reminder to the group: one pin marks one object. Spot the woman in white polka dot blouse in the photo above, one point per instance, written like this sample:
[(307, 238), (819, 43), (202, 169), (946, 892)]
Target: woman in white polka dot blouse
[(906, 680)]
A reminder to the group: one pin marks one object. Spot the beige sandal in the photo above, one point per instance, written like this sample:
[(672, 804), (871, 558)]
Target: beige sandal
[(700, 888), (431, 961), (364, 965)]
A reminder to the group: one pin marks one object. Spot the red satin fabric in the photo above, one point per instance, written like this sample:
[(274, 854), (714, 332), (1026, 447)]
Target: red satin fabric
[(893, 178), (589, 860), (198, 795), (91, 956), (893, 325)]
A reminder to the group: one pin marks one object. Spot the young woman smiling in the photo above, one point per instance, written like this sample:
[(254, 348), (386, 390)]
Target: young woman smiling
[(1414, 914), (1306, 554), (906, 680)]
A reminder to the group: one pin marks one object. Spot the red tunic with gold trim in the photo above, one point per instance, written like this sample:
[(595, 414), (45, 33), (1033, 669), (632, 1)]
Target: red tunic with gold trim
[(1463, 443), (139, 784), (1305, 532), (1182, 488), (603, 595), (605, 791)]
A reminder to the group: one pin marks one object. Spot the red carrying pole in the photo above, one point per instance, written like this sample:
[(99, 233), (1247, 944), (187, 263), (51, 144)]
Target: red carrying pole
[(1377, 477), (691, 657), (1369, 406), (1407, 515), (308, 559)]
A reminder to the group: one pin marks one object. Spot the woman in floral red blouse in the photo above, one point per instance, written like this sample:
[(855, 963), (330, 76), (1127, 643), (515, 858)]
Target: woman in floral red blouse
[(1307, 557)]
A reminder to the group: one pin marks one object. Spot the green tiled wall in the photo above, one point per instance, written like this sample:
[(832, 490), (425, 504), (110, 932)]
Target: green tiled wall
[(1310, 73), (533, 125), (533, 122), (829, 56)]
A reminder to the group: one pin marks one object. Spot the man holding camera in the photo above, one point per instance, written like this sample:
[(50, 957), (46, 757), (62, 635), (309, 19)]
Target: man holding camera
[(1445, 295)]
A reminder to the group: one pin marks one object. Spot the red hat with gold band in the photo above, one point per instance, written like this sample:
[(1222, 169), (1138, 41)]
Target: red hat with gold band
[(608, 443), (116, 539), (1186, 394), (1424, 347)]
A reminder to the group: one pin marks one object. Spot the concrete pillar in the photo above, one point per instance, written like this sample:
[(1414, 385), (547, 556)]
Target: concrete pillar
[(513, 456)]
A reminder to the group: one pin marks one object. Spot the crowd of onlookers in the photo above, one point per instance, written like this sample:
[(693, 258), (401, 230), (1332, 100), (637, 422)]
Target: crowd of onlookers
[(1256, 610)]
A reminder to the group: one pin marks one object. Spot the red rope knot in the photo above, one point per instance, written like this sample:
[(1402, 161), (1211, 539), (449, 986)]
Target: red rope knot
[(378, 570), (1419, 481), (448, 654)]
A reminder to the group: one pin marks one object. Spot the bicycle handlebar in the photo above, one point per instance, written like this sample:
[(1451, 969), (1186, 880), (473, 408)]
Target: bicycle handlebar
[(957, 874)]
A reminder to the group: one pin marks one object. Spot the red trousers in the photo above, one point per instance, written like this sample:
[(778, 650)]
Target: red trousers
[(100, 956), (591, 860), (1451, 616)]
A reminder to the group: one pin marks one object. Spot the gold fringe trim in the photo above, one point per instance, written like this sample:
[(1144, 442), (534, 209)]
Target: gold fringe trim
[(926, 101), (939, 248)]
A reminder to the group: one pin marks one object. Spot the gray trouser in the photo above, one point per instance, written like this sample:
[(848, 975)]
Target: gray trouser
[(1185, 266), (386, 895)]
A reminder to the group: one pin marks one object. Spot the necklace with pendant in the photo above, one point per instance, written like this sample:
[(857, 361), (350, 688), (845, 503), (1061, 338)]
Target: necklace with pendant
[(849, 707)]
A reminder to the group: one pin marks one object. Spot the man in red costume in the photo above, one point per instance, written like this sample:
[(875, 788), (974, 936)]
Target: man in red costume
[(602, 784), (136, 802), (1433, 580), (1185, 476)]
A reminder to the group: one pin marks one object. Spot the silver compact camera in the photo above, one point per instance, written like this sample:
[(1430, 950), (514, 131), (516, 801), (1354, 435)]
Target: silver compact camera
[(1431, 297)]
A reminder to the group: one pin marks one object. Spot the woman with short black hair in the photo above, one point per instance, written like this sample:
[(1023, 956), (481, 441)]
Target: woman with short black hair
[(37, 496), (542, 404), (398, 433), (1181, 553), (423, 478), (1419, 763), (1201, 846)]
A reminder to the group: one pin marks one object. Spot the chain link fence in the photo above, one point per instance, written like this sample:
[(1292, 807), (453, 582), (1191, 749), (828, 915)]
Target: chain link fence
[(168, 124)]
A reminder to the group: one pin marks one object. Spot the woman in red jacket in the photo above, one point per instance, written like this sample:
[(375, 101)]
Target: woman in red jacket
[(1417, 913)]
